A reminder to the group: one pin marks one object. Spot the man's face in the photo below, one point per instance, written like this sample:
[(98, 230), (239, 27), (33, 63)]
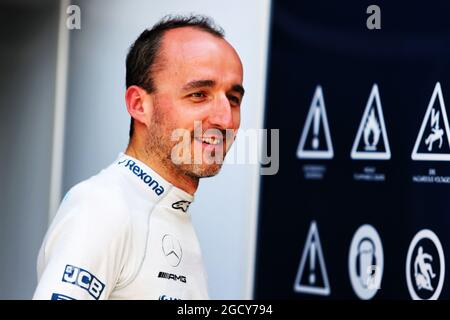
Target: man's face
[(198, 81)]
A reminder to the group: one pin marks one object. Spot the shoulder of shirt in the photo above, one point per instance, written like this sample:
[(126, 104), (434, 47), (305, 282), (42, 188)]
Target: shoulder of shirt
[(99, 199)]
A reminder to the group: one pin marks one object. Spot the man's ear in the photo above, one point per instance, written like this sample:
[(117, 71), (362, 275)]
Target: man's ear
[(139, 106)]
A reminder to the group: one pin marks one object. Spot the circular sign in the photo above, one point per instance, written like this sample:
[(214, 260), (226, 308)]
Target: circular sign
[(366, 262), (425, 266)]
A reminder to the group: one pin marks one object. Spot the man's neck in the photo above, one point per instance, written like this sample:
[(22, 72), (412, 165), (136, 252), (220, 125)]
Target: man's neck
[(178, 179)]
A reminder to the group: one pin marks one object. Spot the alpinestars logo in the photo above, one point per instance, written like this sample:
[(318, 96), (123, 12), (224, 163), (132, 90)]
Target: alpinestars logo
[(172, 276), (182, 205), (144, 176)]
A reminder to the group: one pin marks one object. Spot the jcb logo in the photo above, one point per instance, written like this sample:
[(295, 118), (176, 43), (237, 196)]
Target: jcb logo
[(83, 279)]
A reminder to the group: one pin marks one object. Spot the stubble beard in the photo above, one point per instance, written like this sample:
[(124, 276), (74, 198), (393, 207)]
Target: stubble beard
[(159, 146)]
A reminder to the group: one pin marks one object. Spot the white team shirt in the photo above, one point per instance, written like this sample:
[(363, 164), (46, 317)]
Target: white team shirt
[(125, 233)]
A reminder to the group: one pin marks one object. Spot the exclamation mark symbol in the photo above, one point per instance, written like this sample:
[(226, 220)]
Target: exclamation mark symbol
[(315, 141), (312, 263)]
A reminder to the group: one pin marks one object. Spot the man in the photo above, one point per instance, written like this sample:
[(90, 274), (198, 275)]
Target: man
[(126, 233)]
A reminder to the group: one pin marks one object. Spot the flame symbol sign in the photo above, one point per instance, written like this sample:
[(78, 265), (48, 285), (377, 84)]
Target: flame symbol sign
[(372, 130)]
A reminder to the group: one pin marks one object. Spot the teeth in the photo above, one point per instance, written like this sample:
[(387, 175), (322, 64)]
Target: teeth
[(212, 141)]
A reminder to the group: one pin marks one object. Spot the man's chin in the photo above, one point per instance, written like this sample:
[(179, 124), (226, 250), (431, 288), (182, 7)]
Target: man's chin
[(204, 170)]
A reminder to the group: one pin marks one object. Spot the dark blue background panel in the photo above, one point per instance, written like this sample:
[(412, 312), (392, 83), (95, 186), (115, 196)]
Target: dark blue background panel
[(312, 208)]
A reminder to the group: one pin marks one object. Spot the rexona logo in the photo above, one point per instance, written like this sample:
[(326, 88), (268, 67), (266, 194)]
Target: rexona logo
[(172, 276), (144, 176), (83, 279)]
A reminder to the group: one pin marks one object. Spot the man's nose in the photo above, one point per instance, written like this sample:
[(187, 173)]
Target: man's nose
[(221, 115)]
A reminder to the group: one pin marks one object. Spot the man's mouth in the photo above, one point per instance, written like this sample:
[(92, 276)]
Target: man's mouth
[(210, 140)]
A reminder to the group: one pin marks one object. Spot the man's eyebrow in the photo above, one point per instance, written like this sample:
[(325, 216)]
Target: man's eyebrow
[(238, 88), (199, 84), (196, 84)]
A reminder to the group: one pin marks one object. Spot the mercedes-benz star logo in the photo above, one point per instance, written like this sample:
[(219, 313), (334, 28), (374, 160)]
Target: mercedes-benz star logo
[(171, 248)]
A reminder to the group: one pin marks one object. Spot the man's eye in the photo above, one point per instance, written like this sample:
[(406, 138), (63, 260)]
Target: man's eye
[(235, 100), (198, 95)]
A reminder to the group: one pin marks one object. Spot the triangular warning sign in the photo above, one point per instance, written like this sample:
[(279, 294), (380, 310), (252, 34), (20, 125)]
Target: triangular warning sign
[(371, 141), (433, 141), (312, 273), (315, 141)]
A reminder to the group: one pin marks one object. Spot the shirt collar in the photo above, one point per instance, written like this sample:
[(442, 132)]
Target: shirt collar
[(152, 184)]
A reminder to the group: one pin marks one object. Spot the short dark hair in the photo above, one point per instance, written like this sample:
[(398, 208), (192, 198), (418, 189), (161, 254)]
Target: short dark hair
[(143, 52)]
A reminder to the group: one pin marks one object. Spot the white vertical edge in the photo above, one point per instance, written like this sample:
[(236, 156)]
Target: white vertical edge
[(59, 111), (256, 177)]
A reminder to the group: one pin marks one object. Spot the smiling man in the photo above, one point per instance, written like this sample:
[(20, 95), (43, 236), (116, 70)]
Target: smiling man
[(126, 233)]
